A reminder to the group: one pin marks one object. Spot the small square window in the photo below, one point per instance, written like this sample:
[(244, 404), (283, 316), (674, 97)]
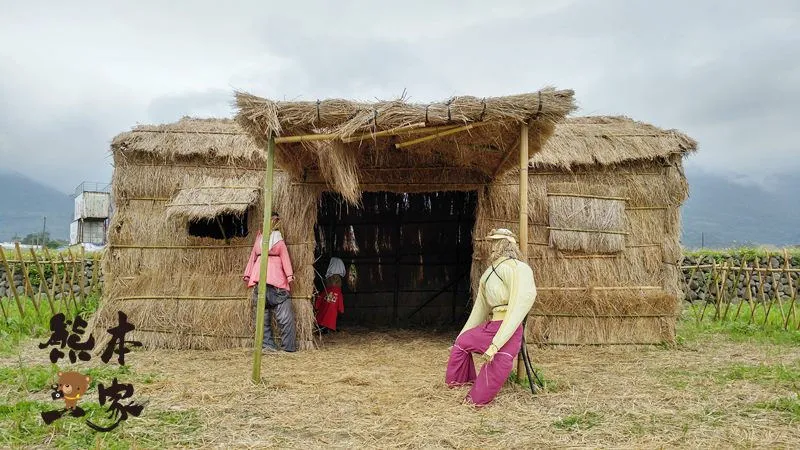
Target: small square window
[(223, 226)]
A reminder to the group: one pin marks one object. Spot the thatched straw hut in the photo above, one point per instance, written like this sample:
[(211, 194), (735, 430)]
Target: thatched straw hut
[(403, 193), (186, 197)]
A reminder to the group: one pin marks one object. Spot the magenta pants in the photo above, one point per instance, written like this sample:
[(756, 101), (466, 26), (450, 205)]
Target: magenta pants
[(461, 369)]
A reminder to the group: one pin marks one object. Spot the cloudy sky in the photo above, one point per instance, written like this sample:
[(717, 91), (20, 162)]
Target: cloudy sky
[(74, 74)]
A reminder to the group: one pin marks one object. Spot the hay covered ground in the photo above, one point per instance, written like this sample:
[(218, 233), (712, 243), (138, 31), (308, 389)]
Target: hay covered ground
[(384, 390)]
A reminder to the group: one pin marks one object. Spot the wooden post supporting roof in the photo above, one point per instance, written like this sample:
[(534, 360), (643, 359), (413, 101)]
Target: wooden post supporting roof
[(523, 217), (262, 275)]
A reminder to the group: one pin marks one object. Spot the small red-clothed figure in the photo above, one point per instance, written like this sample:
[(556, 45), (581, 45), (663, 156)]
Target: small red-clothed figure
[(330, 302)]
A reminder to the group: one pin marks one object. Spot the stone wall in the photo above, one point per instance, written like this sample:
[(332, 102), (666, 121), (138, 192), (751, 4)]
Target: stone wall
[(700, 271)]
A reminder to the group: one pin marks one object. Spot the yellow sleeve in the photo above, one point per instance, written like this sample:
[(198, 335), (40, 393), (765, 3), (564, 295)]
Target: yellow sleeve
[(480, 310), (522, 294)]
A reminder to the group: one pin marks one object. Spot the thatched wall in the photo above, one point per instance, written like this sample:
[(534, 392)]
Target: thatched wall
[(183, 291), (622, 293)]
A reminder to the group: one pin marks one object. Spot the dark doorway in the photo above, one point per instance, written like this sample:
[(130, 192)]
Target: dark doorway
[(412, 254)]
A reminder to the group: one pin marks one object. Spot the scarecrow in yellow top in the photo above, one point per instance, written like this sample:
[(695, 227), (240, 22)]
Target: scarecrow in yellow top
[(494, 329)]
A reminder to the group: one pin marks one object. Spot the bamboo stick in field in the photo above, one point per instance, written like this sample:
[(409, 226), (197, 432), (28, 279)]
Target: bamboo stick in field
[(74, 277), (734, 288), (28, 287), (55, 276), (266, 231), (776, 290), (95, 274), (691, 276), (69, 282), (745, 285), (761, 293), (721, 290), (49, 293), (11, 286), (523, 220), (750, 294), (791, 313), (83, 276), (713, 280)]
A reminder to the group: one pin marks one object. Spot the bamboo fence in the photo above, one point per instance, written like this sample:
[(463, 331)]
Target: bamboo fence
[(48, 281), (746, 298)]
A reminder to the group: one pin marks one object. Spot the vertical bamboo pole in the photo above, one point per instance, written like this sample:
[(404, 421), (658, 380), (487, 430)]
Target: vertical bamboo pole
[(54, 268), (691, 277), (776, 285), (11, 285), (750, 272), (523, 219), (714, 280), (745, 285), (262, 276), (28, 287), (95, 274), (721, 290), (50, 295), (761, 289), (83, 276), (66, 287), (74, 277), (791, 289), (734, 288)]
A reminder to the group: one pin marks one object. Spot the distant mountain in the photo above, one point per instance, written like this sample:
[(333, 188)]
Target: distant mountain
[(723, 213), (23, 204)]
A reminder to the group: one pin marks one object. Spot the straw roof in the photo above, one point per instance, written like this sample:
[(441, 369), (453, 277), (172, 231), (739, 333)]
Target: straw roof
[(207, 197), (468, 132), (189, 137), (608, 140)]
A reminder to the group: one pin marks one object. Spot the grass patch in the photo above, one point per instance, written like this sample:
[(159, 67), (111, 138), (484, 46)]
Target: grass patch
[(790, 406), (550, 385), (787, 376), (20, 380), (19, 328), (720, 255), (772, 375), (690, 330), (22, 427), (583, 421)]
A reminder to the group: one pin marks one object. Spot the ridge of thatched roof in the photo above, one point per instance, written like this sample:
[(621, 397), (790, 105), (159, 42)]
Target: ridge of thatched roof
[(189, 137), (204, 197), (607, 140), (342, 138), (261, 116)]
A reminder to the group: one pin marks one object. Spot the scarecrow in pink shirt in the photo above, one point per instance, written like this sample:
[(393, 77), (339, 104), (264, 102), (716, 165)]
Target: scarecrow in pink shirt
[(279, 275)]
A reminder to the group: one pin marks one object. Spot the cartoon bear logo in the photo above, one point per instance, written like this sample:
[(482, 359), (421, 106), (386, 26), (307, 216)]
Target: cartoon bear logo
[(71, 385)]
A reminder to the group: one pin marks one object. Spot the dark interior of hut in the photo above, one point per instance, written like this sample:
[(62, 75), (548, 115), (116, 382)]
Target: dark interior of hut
[(407, 256)]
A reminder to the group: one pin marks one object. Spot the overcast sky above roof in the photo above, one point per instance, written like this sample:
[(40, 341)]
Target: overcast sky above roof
[(74, 74)]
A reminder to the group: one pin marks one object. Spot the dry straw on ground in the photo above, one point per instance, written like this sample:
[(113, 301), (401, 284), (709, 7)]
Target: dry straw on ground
[(386, 390)]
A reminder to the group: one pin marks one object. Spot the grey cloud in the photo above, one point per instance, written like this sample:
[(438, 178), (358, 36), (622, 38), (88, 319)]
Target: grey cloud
[(725, 73)]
